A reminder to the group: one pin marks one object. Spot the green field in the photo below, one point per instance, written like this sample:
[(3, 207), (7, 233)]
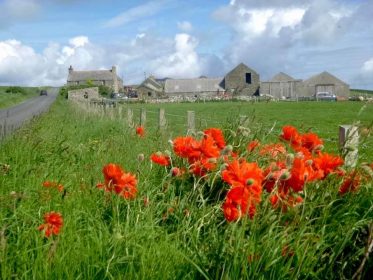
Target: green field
[(174, 229), (10, 96)]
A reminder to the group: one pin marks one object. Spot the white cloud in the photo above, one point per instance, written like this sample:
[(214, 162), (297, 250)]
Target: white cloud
[(368, 66), (139, 12), (183, 62), (185, 26), (79, 41)]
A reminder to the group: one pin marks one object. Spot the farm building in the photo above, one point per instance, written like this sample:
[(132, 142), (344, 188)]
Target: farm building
[(281, 86), (325, 82), (242, 80), (195, 88), (150, 88), (97, 77)]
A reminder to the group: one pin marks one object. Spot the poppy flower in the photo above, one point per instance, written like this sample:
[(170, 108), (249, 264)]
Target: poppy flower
[(239, 203), (252, 145), (291, 135), (217, 135), (240, 173), (140, 131), (51, 184), (273, 150), (187, 147), (351, 183), (53, 223), (326, 164), (160, 159), (311, 141)]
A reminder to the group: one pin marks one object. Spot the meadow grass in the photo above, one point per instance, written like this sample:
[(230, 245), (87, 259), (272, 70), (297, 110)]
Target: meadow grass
[(9, 99), (178, 234)]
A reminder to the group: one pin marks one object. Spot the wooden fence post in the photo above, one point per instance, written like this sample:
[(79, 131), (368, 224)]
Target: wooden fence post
[(162, 119), (130, 117), (191, 121), (142, 117), (119, 111), (348, 144)]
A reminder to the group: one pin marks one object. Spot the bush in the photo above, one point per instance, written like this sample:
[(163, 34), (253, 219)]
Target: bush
[(15, 89)]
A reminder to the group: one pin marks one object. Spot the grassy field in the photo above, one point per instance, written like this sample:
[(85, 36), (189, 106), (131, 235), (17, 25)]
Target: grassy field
[(10, 96), (173, 229)]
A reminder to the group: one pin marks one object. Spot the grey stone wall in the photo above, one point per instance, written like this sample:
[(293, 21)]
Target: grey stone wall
[(235, 81), (83, 94)]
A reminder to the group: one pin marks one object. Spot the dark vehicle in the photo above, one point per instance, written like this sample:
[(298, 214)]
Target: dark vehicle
[(43, 92)]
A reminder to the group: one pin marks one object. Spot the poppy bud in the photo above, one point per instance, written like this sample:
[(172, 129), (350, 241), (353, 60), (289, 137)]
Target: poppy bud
[(167, 153), (223, 166), (171, 142), (309, 162), (319, 148), (140, 157), (212, 160), (227, 150), (250, 181), (285, 175), (289, 160)]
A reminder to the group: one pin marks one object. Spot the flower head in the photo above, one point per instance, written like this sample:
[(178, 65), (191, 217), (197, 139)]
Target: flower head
[(140, 131), (160, 159), (53, 222)]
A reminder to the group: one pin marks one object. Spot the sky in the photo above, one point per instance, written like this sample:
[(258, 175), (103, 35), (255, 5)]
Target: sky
[(40, 39)]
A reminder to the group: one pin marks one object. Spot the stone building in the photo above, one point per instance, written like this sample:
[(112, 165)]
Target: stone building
[(242, 80), (83, 94), (325, 82), (97, 77), (150, 88), (281, 86), (194, 88)]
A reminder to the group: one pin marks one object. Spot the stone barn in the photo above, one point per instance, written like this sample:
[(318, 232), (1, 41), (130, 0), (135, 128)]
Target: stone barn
[(97, 77), (281, 86), (194, 88), (242, 80), (326, 82), (150, 88)]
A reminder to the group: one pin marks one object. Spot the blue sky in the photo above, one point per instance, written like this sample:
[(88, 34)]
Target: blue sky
[(39, 39)]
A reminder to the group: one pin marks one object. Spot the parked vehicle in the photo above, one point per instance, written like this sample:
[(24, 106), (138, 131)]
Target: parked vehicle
[(43, 92), (326, 96)]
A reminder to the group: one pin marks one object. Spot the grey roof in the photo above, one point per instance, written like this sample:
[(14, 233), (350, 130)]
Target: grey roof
[(194, 85), (152, 83), (241, 67), (97, 75), (324, 78), (281, 77)]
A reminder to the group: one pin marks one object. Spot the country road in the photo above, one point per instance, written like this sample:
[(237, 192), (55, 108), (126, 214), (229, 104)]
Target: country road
[(13, 117)]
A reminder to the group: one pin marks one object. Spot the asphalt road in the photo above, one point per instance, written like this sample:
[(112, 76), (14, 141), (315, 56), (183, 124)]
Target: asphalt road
[(13, 117)]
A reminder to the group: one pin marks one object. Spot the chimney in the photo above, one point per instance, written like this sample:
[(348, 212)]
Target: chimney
[(114, 70), (71, 69)]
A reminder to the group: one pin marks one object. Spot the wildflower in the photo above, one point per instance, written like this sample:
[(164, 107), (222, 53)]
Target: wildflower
[(252, 145), (187, 147), (117, 180), (160, 159), (140, 131), (53, 222), (51, 184), (311, 141), (238, 172), (273, 150), (350, 183), (291, 134), (176, 172), (326, 164), (217, 135)]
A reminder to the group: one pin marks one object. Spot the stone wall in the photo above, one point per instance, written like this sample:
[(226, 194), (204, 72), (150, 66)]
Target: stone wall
[(235, 81), (83, 94)]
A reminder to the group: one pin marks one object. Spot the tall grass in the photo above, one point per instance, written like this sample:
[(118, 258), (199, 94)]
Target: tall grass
[(10, 96), (174, 233)]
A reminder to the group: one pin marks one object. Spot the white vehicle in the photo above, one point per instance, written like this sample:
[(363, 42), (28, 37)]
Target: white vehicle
[(326, 96)]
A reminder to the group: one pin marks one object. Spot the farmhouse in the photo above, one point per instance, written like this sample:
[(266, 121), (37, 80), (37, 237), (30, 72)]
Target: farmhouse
[(281, 86), (325, 82), (97, 77)]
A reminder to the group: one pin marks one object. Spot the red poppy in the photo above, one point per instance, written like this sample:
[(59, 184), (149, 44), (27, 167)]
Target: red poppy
[(217, 135), (351, 183), (140, 131), (50, 184), (176, 171), (273, 150), (239, 203), (209, 148), (187, 147), (160, 159), (252, 145), (326, 164), (291, 134), (311, 141), (240, 173), (53, 222)]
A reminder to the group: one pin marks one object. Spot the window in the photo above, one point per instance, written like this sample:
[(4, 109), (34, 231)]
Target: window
[(248, 78), (149, 93)]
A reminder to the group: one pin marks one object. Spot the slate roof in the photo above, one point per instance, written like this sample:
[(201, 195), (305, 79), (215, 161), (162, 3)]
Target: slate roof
[(324, 78), (194, 85), (152, 83), (240, 68), (96, 75), (281, 77)]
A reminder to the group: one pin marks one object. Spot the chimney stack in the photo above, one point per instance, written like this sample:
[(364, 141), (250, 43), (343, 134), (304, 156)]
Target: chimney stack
[(71, 69)]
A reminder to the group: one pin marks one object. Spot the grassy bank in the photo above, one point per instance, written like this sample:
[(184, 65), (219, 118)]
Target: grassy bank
[(10, 96), (171, 230)]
